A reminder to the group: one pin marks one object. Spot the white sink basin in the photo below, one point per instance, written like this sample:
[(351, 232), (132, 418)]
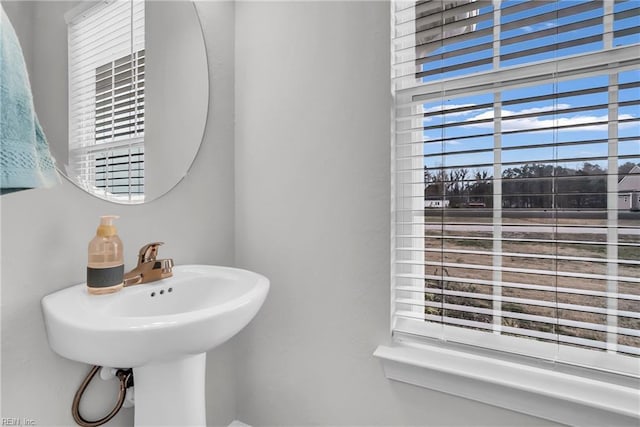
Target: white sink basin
[(197, 309), (161, 329)]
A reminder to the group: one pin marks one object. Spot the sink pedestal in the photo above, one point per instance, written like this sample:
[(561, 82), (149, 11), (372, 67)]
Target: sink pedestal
[(171, 393)]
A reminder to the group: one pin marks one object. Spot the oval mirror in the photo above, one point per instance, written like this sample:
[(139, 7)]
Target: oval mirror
[(138, 92)]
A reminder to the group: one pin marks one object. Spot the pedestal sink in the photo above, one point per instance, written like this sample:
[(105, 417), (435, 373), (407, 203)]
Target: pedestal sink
[(161, 330)]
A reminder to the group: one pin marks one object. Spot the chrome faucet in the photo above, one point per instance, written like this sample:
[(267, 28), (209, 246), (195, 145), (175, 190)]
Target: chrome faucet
[(149, 269)]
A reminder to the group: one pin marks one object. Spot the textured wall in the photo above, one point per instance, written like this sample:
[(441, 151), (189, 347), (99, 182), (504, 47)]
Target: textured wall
[(45, 235)]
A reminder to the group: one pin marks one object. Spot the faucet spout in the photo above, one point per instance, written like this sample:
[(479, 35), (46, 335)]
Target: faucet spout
[(148, 252), (149, 269)]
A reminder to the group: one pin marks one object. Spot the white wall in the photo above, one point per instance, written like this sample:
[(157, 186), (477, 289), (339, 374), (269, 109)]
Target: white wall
[(45, 235), (21, 16), (311, 179), (312, 214)]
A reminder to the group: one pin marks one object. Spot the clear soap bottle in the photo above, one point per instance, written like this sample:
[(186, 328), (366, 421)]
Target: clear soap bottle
[(105, 268)]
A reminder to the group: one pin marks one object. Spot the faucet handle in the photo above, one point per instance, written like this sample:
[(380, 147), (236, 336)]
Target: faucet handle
[(148, 252), (166, 265)]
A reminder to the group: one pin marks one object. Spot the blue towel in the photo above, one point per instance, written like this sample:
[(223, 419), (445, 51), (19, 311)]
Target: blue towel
[(25, 160)]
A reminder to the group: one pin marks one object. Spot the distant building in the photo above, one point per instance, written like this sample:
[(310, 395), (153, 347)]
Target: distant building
[(476, 204), (439, 203), (629, 191)]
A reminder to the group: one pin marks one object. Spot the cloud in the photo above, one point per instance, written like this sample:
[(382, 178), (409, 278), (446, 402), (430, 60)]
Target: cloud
[(538, 109), (445, 109), (538, 27), (535, 123), (530, 123)]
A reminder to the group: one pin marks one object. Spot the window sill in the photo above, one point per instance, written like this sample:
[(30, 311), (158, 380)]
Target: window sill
[(534, 390)]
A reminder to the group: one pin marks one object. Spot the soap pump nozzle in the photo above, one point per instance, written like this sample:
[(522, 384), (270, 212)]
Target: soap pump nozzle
[(106, 227)]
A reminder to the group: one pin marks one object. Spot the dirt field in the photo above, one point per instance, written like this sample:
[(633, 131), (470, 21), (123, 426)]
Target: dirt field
[(560, 258)]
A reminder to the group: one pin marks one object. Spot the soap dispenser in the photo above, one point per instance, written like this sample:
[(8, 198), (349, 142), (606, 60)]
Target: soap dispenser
[(105, 269)]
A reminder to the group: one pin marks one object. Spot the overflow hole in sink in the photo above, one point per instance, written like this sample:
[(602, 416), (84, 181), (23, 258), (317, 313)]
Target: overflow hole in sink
[(153, 294)]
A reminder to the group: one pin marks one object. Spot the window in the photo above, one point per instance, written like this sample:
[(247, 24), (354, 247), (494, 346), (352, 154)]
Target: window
[(106, 99), (517, 178)]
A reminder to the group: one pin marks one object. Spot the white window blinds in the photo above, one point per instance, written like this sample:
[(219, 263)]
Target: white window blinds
[(106, 99), (517, 177)]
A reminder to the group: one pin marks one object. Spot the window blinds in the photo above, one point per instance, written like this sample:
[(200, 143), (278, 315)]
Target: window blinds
[(517, 177), (106, 99)]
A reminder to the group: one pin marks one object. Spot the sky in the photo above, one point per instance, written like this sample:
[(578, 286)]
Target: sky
[(587, 127)]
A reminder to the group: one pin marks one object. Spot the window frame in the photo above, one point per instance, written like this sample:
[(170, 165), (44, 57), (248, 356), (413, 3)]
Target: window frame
[(483, 371), (559, 393), (85, 153)]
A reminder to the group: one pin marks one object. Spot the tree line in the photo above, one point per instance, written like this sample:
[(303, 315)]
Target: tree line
[(532, 185)]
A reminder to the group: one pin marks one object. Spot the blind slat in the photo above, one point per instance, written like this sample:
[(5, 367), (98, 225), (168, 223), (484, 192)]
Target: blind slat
[(601, 294), (511, 314), (517, 175), (106, 98)]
